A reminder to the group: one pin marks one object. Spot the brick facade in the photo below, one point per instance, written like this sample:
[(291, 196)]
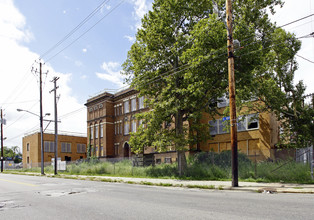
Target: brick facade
[(110, 118), (70, 148)]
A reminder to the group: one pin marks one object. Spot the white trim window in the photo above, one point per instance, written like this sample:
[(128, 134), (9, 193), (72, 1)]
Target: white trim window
[(141, 102), (101, 130), (224, 125), (241, 123), (133, 105), (133, 125), (126, 107), (126, 126), (96, 131), (252, 121), (223, 101), (213, 129)]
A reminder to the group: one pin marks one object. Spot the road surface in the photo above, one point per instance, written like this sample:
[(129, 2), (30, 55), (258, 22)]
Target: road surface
[(35, 197)]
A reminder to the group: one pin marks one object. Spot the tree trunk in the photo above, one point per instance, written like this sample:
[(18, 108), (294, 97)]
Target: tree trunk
[(180, 149)]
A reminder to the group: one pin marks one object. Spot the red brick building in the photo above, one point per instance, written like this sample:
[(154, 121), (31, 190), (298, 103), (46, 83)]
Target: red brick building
[(111, 117)]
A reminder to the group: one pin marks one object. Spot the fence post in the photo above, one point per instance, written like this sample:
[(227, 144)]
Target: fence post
[(255, 165)]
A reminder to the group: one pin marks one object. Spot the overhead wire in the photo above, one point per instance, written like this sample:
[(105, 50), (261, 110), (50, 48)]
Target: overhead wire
[(85, 32), (86, 19), (173, 71)]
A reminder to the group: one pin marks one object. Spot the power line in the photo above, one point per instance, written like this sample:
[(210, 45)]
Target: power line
[(305, 59), (85, 31), (99, 7), (300, 19), (163, 74)]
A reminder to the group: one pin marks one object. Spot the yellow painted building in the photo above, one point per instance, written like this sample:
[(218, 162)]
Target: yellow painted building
[(70, 148), (257, 135)]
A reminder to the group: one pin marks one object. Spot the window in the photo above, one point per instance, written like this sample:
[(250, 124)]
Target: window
[(224, 125), (65, 147), (96, 131), (101, 150), (168, 160), (126, 127), (120, 127), (252, 121), (116, 149), (213, 129), (101, 130), (49, 146), (27, 146), (91, 132), (133, 105), (141, 102), (116, 128), (27, 159), (133, 125), (126, 107), (223, 101), (241, 123), (81, 148)]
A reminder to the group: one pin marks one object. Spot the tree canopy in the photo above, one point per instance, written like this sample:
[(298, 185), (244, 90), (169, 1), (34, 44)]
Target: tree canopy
[(179, 63)]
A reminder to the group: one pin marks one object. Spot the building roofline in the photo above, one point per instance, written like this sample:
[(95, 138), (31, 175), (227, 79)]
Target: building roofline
[(61, 133)]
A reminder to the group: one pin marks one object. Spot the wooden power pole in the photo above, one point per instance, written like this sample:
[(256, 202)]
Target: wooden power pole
[(233, 113), (56, 123), (2, 121)]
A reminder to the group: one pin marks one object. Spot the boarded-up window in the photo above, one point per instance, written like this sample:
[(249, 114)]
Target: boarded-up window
[(81, 148), (49, 146), (65, 147)]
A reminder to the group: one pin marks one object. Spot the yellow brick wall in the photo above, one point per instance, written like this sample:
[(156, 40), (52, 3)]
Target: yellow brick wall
[(35, 148)]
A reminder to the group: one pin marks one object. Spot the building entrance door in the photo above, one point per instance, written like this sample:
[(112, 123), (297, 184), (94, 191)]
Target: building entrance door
[(126, 150)]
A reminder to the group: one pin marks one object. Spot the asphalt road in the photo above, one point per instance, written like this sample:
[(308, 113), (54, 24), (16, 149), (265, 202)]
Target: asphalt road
[(31, 197)]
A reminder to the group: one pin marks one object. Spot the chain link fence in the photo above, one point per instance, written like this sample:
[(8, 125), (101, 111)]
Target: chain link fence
[(286, 165)]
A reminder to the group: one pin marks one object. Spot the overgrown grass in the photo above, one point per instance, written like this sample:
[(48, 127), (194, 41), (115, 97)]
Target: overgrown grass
[(203, 166)]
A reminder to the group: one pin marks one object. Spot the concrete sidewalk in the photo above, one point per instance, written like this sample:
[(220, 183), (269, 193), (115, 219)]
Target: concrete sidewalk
[(218, 185)]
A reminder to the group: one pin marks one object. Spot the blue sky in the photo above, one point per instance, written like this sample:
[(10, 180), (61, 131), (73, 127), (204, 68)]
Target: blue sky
[(28, 28)]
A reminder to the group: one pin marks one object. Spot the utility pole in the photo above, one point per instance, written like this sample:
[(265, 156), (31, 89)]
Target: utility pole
[(56, 122), (233, 113), (41, 119), (2, 121)]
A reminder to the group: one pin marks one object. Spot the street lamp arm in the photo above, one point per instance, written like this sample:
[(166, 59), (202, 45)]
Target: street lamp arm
[(22, 110)]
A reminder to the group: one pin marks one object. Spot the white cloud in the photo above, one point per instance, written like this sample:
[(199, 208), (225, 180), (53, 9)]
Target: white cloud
[(112, 73), (84, 50), (12, 23), (141, 7), (130, 38), (19, 88), (64, 12)]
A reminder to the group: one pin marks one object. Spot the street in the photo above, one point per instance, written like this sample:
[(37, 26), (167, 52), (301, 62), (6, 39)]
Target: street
[(35, 197)]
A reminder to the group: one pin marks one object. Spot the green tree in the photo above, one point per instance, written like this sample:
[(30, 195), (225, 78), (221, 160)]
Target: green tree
[(179, 63), (277, 90), (12, 152)]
